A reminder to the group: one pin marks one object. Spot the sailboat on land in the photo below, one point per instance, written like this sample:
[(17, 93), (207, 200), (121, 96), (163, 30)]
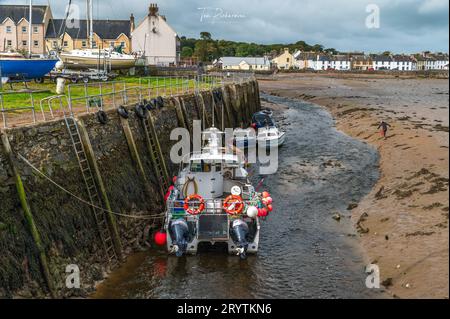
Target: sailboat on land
[(15, 66), (96, 58)]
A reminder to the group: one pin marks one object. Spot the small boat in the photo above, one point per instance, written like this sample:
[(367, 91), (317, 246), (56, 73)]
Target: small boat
[(213, 202), (16, 67), (94, 58), (262, 119), (270, 137), (245, 138)]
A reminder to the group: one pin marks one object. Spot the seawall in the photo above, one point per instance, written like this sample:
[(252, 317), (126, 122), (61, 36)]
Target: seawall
[(47, 223)]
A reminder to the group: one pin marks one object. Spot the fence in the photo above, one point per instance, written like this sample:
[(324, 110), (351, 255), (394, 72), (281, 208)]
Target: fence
[(88, 97)]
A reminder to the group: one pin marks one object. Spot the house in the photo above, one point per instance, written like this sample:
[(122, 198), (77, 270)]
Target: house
[(156, 39), (441, 61), (323, 62), (14, 28), (403, 63), (305, 60), (362, 63), (248, 63), (382, 62), (340, 62), (107, 34), (284, 61)]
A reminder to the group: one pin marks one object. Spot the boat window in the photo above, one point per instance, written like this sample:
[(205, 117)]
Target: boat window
[(218, 167), (200, 167)]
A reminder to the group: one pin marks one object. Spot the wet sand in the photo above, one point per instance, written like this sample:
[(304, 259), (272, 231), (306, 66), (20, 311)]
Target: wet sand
[(403, 222)]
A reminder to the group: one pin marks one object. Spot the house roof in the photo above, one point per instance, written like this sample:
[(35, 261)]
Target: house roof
[(231, 61), (340, 58), (382, 58), (403, 58), (105, 29), (19, 12)]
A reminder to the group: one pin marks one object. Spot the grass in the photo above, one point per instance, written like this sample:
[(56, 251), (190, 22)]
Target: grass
[(151, 88)]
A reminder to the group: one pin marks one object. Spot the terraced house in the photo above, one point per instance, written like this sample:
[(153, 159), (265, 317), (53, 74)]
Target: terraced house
[(107, 34), (14, 28)]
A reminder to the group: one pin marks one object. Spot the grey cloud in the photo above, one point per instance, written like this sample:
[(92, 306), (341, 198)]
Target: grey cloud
[(406, 25)]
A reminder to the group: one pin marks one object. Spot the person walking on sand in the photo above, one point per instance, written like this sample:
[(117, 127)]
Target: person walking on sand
[(384, 128)]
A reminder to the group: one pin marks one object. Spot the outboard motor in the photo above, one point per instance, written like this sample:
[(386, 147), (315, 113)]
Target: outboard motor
[(240, 231), (179, 232)]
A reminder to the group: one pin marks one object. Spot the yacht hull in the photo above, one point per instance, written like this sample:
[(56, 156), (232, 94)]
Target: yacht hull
[(73, 62), (26, 68)]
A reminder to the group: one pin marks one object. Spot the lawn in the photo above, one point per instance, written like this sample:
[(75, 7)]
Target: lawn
[(113, 92)]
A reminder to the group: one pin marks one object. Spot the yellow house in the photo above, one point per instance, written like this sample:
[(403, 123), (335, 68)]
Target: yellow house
[(107, 34), (284, 61)]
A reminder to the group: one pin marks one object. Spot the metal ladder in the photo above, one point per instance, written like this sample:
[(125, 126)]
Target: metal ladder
[(155, 154), (94, 198)]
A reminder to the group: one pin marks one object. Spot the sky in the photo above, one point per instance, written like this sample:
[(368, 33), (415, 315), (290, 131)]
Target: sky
[(394, 25)]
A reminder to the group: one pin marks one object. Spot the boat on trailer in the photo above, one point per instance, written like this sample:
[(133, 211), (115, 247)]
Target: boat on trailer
[(213, 201)]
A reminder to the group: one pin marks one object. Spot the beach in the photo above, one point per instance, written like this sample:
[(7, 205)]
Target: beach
[(402, 223)]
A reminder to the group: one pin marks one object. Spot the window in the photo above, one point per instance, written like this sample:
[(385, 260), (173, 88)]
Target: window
[(24, 43), (8, 29), (36, 43), (122, 44), (94, 44), (24, 29), (83, 44), (35, 29), (9, 42), (112, 44), (66, 44), (55, 44)]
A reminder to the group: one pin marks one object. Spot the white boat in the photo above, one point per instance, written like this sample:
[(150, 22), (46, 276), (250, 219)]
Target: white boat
[(245, 138), (213, 202), (97, 59), (270, 137)]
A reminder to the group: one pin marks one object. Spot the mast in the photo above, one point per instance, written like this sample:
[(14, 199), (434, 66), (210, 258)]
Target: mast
[(91, 28), (30, 26)]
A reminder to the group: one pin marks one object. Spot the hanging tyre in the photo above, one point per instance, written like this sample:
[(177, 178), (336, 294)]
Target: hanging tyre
[(160, 102), (123, 112), (141, 111), (102, 117)]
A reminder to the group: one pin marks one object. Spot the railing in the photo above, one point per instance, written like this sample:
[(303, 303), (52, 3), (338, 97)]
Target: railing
[(212, 207), (100, 95)]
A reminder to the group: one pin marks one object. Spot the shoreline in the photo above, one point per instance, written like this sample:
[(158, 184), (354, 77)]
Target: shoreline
[(403, 222)]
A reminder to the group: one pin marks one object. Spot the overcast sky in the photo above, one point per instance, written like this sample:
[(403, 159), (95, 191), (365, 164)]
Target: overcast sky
[(405, 25)]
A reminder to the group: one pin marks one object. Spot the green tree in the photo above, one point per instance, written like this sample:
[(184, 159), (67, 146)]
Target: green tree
[(187, 52)]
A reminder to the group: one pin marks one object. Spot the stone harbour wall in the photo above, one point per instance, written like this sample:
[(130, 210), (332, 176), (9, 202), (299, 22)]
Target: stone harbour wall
[(43, 228)]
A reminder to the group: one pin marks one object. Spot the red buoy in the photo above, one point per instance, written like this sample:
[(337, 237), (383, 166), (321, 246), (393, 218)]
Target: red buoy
[(262, 212), (270, 208), (160, 238)]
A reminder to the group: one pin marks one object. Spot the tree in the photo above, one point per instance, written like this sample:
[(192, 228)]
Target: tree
[(187, 52)]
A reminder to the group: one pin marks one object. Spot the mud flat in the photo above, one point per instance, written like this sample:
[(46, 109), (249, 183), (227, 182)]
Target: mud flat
[(403, 222)]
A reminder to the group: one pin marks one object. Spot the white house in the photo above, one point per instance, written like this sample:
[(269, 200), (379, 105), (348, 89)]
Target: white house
[(441, 62), (247, 63), (341, 62), (383, 62), (323, 62), (403, 63), (156, 40)]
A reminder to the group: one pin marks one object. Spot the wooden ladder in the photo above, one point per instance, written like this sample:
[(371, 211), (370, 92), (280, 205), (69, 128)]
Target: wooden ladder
[(94, 197)]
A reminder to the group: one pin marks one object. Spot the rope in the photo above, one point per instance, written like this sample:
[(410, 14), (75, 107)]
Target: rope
[(82, 200)]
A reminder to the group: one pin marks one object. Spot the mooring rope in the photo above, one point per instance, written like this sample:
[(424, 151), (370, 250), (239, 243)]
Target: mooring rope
[(81, 199)]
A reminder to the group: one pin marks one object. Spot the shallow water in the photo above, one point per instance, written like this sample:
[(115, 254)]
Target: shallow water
[(304, 253)]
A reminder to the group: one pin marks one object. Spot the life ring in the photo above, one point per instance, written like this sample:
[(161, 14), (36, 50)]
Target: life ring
[(233, 205), (123, 112), (102, 117), (191, 211), (141, 111)]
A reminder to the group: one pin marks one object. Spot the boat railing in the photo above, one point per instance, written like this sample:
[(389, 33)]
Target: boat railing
[(175, 207)]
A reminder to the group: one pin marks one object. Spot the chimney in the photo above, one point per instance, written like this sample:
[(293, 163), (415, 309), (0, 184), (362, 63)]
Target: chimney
[(132, 24), (153, 10)]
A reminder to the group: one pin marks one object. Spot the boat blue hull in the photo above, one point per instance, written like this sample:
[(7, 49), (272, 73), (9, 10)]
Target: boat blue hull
[(26, 68)]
